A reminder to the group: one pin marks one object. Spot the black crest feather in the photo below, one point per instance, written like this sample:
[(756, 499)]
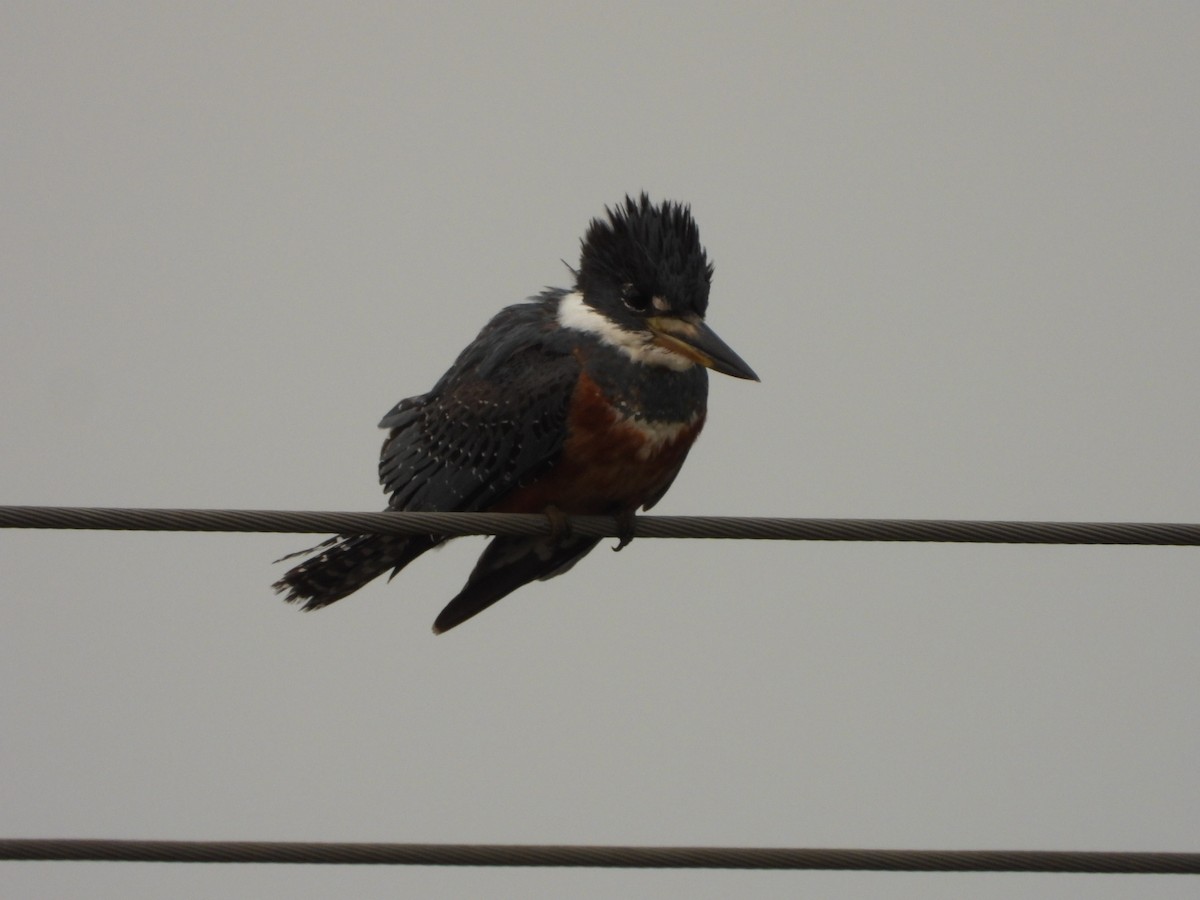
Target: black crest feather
[(655, 248)]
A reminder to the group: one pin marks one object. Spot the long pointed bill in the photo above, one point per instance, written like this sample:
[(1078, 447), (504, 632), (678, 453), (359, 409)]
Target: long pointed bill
[(692, 338)]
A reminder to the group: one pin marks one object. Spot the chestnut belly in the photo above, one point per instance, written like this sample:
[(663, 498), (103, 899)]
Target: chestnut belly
[(609, 463)]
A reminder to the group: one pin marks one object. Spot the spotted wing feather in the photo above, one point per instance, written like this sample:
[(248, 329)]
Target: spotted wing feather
[(498, 417)]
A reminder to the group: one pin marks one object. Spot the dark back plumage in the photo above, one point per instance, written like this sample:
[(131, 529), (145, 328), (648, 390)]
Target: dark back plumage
[(497, 417)]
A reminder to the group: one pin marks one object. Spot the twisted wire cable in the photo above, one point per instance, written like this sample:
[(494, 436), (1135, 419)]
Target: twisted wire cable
[(594, 856), (727, 527), (1094, 862)]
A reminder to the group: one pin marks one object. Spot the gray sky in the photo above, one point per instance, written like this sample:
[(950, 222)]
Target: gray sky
[(958, 242)]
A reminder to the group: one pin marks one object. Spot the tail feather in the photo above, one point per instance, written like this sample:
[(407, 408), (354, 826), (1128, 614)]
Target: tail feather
[(346, 563)]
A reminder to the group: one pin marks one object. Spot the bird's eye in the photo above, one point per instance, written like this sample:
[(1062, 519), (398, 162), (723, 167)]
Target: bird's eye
[(636, 300)]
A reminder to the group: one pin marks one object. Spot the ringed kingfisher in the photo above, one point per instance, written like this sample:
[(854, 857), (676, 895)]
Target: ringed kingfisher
[(575, 402)]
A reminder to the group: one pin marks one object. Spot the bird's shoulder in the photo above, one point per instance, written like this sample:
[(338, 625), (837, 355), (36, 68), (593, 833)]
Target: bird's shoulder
[(515, 339)]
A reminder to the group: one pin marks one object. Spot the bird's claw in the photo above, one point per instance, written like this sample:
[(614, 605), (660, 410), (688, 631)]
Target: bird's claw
[(626, 526), (560, 525)]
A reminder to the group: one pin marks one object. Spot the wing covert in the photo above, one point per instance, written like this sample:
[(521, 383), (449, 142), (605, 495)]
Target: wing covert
[(498, 416)]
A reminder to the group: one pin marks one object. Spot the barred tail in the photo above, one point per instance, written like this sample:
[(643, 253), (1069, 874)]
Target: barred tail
[(344, 564)]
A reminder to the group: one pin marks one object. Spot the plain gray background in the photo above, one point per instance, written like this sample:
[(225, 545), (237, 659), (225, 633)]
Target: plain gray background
[(959, 243)]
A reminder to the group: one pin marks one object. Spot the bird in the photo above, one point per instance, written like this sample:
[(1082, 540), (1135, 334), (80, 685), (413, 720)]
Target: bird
[(577, 401)]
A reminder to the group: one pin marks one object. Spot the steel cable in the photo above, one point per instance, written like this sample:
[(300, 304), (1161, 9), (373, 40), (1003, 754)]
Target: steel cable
[(592, 856), (600, 857), (727, 527)]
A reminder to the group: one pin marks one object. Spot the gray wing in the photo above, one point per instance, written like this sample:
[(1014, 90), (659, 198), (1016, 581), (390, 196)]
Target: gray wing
[(498, 416)]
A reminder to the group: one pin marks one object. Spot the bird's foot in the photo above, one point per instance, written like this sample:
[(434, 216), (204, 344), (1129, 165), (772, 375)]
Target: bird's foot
[(626, 526), (560, 525)]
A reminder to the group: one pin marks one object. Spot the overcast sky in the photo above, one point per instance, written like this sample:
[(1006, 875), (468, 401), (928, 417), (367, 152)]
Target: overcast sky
[(958, 241)]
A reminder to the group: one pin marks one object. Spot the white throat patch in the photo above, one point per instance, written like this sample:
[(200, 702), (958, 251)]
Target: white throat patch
[(574, 313)]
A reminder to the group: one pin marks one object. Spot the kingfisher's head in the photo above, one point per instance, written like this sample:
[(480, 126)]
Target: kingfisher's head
[(642, 286)]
